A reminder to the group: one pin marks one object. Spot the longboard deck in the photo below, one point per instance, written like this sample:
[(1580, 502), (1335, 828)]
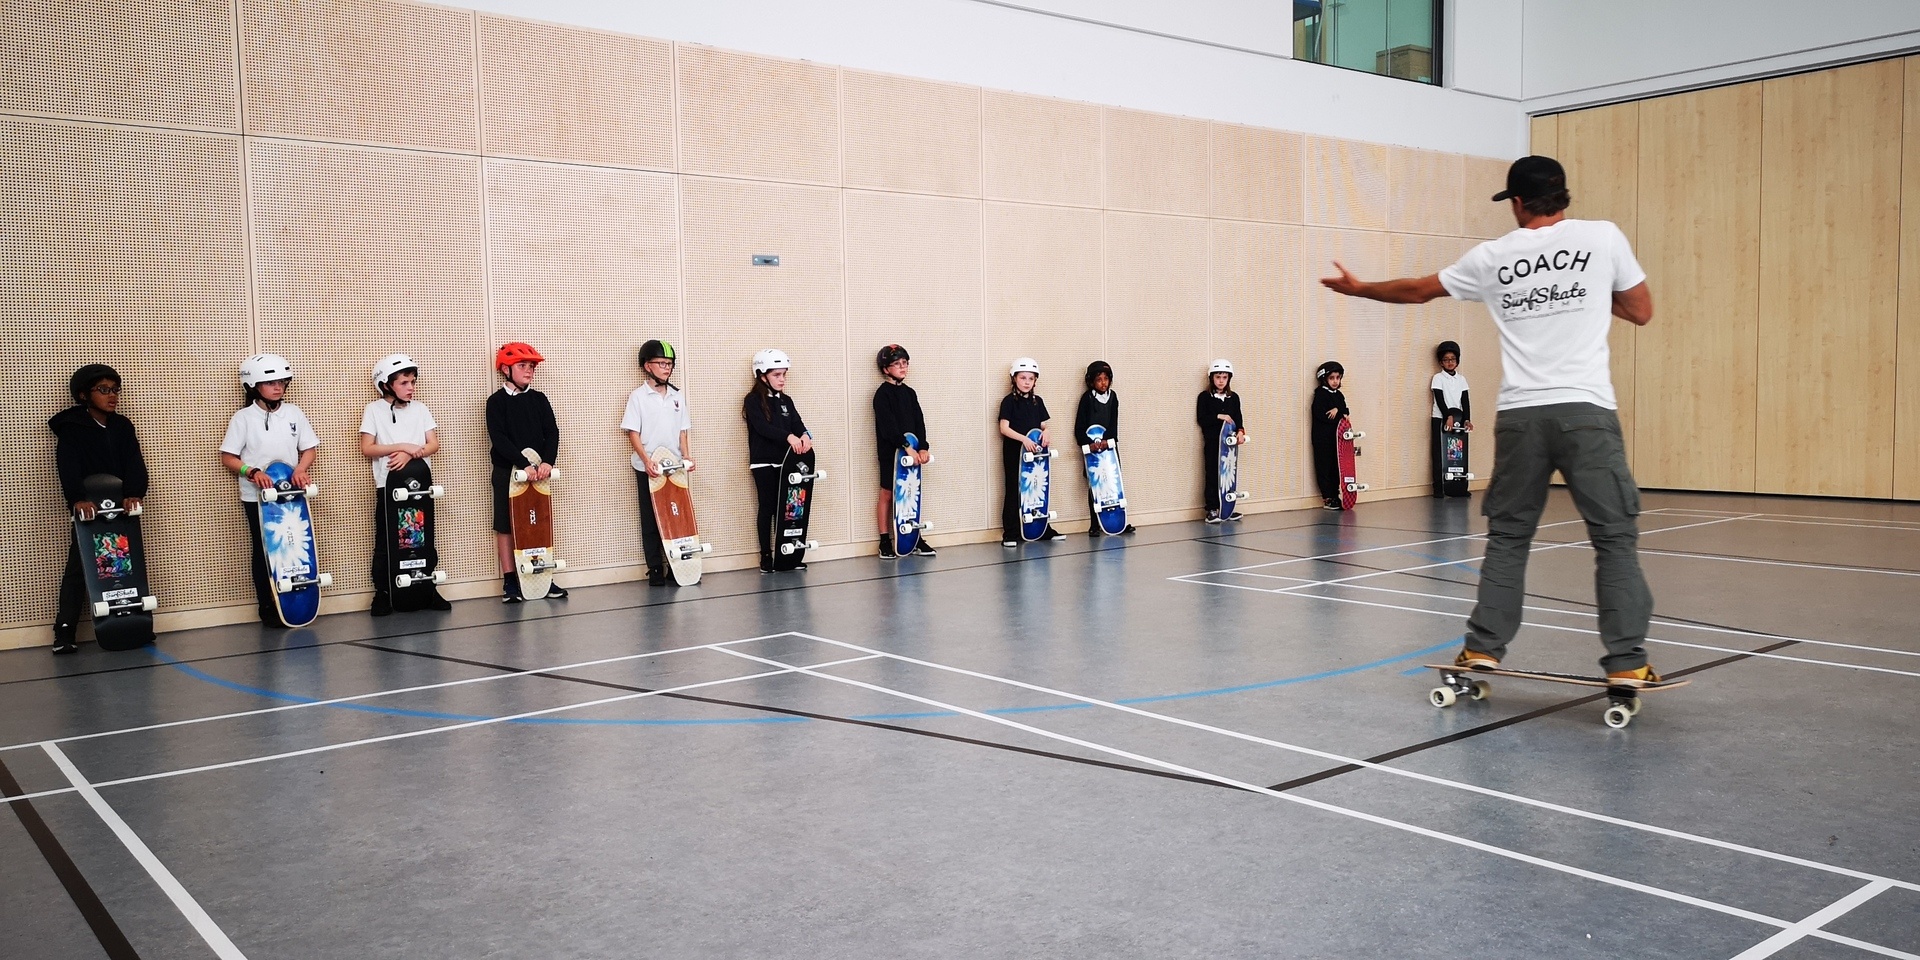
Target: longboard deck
[(113, 561), (1103, 480), (1036, 490), (906, 498), (792, 509), (1623, 699), (1350, 485), (531, 504), (672, 494), (293, 557), (1575, 679)]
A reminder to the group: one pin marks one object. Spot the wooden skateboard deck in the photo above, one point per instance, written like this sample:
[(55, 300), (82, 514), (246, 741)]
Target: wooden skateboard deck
[(1453, 462), (531, 505), (907, 524), (113, 560), (1228, 462), (1036, 490), (293, 557), (1103, 481), (1623, 699), (792, 509), (672, 494), (413, 563), (1350, 485)]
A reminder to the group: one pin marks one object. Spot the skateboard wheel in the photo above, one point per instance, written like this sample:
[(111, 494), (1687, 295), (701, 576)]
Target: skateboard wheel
[(436, 491), (270, 495), (1633, 706), (1086, 449), (324, 580), (526, 568), (811, 545), (399, 495), (906, 461), (1617, 716), (136, 511), (439, 576), (796, 477), (283, 585), (706, 548), (403, 581), (554, 473), (1482, 690), (1442, 696), (787, 549), (558, 565), (519, 476), (100, 610), (819, 475), (312, 490)]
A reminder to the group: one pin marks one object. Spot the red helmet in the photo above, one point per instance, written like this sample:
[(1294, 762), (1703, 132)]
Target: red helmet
[(512, 353)]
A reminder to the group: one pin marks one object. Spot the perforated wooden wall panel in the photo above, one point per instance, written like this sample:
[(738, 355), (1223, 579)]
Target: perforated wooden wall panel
[(1354, 332), (562, 93), (1349, 183), (914, 135), (123, 247), (360, 71), (1424, 197), (585, 265), (1157, 164), (750, 116), (407, 234), (1481, 178), (1041, 150), (914, 278), (1157, 314), (1257, 174), (1258, 324), (166, 62), (1413, 332), (1043, 301), (735, 309)]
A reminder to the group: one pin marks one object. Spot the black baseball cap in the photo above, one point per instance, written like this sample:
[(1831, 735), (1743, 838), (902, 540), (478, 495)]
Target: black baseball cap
[(1532, 177)]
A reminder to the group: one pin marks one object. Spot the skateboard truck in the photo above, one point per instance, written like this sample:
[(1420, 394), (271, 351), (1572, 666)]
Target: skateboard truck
[(909, 526), (406, 580), (520, 474), (275, 494), (1235, 441), (404, 494), (290, 584), (688, 551), (801, 476), (1030, 516), (788, 549), (130, 604)]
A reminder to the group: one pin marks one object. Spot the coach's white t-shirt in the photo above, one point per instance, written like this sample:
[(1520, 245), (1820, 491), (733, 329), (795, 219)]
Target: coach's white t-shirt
[(390, 423), (1550, 292)]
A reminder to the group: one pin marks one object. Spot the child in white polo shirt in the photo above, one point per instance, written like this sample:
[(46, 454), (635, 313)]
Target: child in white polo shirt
[(265, 431), (656, 416)]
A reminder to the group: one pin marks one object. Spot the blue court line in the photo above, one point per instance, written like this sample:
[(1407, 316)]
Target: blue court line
[(202, 675)]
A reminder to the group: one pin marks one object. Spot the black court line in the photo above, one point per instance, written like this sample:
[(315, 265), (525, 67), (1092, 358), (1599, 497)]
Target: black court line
[(829, 718), (112, 940)]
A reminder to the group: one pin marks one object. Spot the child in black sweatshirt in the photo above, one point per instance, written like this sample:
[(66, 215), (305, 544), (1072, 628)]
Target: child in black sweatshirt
[(90, 438), (1021, 411), (1217, 404), (519, 418), (774, 427), (896, 413), (1099, 407), (1329, 405)]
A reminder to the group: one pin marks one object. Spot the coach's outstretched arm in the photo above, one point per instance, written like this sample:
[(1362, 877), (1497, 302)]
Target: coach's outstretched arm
[(1407, 290)]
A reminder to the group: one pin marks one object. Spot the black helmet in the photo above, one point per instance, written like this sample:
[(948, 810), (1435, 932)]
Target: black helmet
[(889, 355), (1327, 369), (1097, 368), (1446, 347), (656, 350), (84, 378)]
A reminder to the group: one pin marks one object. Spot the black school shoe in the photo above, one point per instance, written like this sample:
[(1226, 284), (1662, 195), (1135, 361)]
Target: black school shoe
[(510, 589), (382, 605), (1053, 534), (924, 549), (63, 639), (886, 550), (656, 578), (556, 592), (435, 601)]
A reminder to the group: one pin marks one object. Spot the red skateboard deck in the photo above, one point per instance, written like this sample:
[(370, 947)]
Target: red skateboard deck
[(1350, 485)]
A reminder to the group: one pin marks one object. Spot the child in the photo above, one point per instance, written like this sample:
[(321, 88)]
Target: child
[(1329, 405), (90, 438), (656, 417), (1100, 407), (395, 430), (518, 418), (1451, 408), (1021, 410), (1217, 403), (266, 430), (896, 413), (773, 428)]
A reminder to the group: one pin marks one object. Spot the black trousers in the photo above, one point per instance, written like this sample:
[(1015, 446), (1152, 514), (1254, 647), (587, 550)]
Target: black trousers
[(1326, 464), (263, 593), (380, 570), (650, 542), (766, 483), (73, 588), (1210, 471), (1010, 509), (1438, 448)]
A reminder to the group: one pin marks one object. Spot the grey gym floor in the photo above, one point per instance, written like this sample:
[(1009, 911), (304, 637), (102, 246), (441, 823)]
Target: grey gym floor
[(1201, 742)]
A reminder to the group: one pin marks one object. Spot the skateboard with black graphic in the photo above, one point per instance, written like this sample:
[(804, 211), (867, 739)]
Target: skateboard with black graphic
[(1623, 699), (293, 556), (1453, 460), (413, 564), (113, 559), (792, 509)]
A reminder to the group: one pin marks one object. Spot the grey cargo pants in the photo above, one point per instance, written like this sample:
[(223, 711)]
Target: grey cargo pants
[(1582, 441)]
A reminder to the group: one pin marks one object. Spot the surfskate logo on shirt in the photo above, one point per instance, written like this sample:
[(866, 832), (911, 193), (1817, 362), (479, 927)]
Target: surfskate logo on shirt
[(1549, 299)]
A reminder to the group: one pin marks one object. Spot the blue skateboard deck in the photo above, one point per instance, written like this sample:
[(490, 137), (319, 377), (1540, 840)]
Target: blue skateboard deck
[(113, 559), (1229, 467), (1103, 480), (293, 559), (906, 498), (1036, 488)]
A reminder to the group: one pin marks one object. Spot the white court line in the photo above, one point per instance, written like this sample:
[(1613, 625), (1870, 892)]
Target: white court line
[(1382, 768), (1872, 523), (1455, 839), (381, 693), (1814, 921), (449, 728), (1883, 571), (1289, 592), (175, 891), (1355, 553)]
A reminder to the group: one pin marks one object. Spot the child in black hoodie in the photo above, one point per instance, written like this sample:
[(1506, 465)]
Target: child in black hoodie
[(89, 438), (1329, 405), (773, 428), (1216, 405)]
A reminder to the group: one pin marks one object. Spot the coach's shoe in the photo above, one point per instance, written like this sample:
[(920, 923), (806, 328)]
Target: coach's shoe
[(1641, 677), (1476, 660)]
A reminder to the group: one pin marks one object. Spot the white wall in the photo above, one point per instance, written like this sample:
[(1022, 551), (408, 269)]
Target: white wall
[(1485, 50), (1232, 69), (1586, 52)]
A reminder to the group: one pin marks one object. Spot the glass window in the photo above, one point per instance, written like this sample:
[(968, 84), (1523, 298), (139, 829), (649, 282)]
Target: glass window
[(1393, 38)]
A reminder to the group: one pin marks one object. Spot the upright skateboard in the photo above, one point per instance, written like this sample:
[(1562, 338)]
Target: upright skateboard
[(1453, 461), (792, 508), (1103, 480), (293, 558), (673, 511), (113, 559), (1350, 485), (1228, 464), (1623, 700), (1036, 490), (531, 504), (907, 525), (413, 565)]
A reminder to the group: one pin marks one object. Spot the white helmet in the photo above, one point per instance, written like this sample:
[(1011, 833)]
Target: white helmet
[(1222, 365), (390, 366), (264, 368), (1024, 365), (770, 359)]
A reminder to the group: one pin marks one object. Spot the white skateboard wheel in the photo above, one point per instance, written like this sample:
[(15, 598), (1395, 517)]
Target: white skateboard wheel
[(1122, 502), (325, 580), (796, 477), (706, 548), (149, 603), (100, 610), (819, 475), (906, 461), (559, 565), (525, 567), (436, 491), (1441, 696), (270, 495), (403, 581), (1354, 435), (811, 545), (312, 490), (519, 476), (1617, 716), (399, 495), (283, 585), (137, 510), (1052, 516), (439, 576), (1086, 449), (787, 549)]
